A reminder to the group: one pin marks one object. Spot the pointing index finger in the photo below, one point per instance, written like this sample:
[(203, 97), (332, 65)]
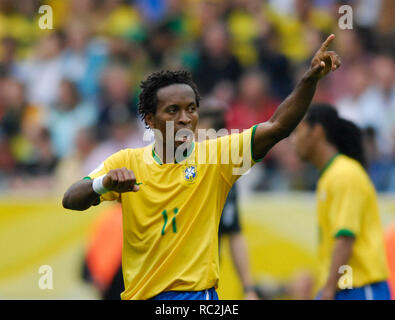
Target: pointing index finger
[(327, 42)]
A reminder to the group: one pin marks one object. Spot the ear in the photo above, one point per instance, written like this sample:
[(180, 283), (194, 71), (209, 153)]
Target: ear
[(150, 119), (319, 132)]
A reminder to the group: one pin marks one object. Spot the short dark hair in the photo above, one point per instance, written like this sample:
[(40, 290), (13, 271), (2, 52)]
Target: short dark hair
[(148, 99)]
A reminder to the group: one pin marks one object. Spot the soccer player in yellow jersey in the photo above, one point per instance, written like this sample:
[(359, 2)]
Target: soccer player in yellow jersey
[(173, 191), (351, 241)]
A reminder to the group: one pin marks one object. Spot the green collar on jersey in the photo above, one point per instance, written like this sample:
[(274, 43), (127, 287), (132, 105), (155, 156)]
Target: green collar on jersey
[(159, 161), (328, 164)]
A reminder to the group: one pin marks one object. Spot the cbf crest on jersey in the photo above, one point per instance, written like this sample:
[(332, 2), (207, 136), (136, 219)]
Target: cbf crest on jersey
[(189, 173)]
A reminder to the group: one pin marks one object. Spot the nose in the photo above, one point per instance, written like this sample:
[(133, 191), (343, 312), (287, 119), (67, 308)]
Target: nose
[(184, 118)]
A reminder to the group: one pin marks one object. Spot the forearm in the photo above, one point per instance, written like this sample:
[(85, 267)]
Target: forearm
[(80, 196), (340, 256), (239, 253), (286, 118), (294, 107)]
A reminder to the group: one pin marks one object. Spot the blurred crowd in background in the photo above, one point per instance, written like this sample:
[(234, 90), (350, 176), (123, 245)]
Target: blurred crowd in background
[(68, 96)]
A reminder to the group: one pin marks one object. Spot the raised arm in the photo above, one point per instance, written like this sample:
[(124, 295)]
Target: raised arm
[(293, 108), (85, 193)]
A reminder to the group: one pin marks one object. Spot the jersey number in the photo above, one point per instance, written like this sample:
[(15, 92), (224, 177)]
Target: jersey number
[(173, 221)]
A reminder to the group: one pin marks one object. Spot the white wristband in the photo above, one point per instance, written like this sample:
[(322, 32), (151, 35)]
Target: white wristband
[(97, 185)]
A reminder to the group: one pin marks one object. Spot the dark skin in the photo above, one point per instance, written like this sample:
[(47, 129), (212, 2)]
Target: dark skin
[(177, 103), (341, 255)]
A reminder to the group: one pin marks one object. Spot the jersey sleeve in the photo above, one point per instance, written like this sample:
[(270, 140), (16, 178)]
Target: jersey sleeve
[(115, 161), (235, 154), (347, 205)]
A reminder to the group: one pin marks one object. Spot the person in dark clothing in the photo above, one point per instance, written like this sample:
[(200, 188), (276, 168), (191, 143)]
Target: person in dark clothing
[(216, 62)]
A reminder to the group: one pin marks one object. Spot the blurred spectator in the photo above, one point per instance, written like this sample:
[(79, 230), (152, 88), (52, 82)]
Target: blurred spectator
[(245, 23), (379, 104), (350, 105), (119, 19), (349, 46), (42, 73), (118, 100), (293, 29), (43, 161), (372, 103), (378, 167), (224, 92), (19, 20), (275, 65), (216, 62), (20, 123), (84, 58), (69, 114), (159, 44), (7, 56), (205, 14), (253, 104)]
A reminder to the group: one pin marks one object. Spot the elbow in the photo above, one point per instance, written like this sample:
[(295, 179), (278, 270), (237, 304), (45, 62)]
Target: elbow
[(66, 202), (282, 132), (69, 204)]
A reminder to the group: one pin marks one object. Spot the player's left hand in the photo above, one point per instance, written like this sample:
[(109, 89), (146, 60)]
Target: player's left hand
[(324, 61)]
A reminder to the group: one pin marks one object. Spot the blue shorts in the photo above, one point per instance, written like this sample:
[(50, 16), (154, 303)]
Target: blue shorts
[(374, 291), (209, 294)]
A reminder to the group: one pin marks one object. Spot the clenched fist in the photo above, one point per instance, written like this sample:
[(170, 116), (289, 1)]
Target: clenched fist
[(120, 180)]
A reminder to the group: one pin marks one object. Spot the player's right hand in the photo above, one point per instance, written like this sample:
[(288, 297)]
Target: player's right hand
[(120, 180), (324, 61)]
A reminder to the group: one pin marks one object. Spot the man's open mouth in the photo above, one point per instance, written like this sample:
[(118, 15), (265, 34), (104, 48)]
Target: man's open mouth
[(184, 135), (183, 138)]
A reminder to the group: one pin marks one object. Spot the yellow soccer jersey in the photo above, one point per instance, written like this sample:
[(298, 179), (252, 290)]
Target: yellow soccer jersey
[(347, 205), (170, 226)]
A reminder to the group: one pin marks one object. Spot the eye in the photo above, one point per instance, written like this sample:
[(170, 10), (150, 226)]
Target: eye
[(192, 108), (172, 109)]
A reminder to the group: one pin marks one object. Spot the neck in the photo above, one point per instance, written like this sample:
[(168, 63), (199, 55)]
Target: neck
[(161, 154), (323, 155), (171, 158)]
